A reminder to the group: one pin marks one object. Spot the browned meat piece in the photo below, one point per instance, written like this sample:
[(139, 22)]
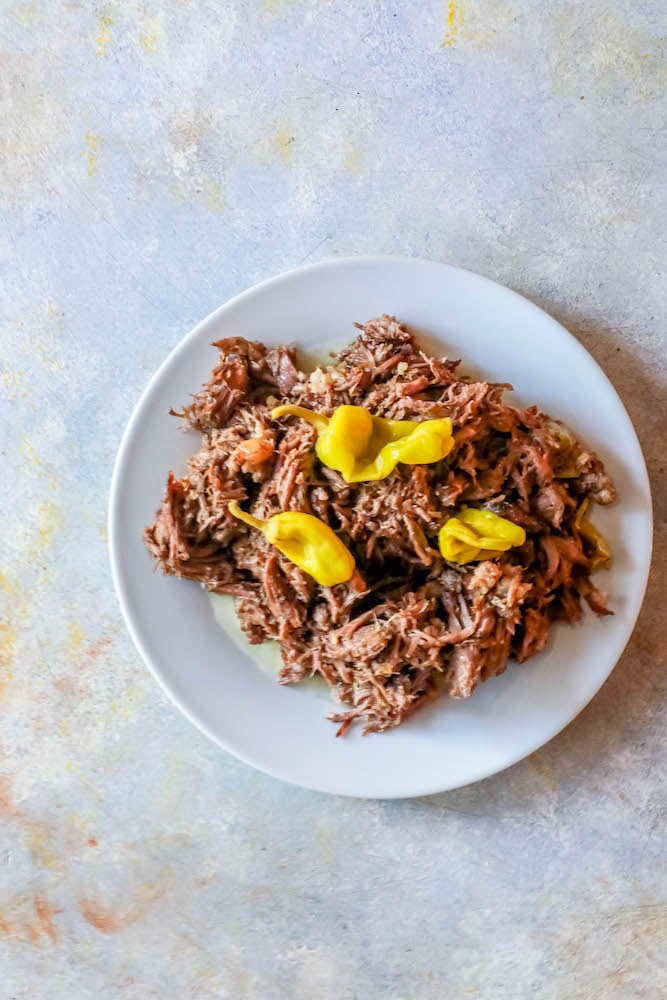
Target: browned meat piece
[(280, 361), (409, 625), (243, 365), (177, 545), (214, 404)]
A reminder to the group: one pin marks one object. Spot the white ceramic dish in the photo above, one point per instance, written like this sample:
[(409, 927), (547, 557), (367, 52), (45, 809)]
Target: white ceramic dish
[(283, 730)]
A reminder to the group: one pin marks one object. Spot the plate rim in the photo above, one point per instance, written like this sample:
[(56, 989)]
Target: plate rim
[(114, 532)]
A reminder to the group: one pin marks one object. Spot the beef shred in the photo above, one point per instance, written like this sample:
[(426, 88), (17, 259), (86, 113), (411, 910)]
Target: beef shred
[(409, 625)]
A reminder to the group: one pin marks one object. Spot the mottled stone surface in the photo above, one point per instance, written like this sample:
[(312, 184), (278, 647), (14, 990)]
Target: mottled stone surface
[(156, 159)]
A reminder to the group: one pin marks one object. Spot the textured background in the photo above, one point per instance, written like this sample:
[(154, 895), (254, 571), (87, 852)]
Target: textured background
[(155, 159)]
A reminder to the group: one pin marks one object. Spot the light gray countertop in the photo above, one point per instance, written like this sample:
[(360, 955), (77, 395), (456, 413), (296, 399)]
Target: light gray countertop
[(156, 159)]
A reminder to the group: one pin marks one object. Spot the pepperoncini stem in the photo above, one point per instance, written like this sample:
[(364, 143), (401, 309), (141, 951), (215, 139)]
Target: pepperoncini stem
[(306, 541), (475, 534), (363, 447), (244, 516), (318, 420)]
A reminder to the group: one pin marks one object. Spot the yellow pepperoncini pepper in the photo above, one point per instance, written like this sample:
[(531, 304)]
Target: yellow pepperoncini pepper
[(306, 541), (602, 553), (363, 447), (478, 534)]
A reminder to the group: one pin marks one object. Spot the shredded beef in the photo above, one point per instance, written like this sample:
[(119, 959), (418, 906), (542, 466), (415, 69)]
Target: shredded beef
[(409, 625)]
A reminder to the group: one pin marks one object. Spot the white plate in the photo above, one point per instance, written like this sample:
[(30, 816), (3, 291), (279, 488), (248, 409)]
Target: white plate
[(283, 730)]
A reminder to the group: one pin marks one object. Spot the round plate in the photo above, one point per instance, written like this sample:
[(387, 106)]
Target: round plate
[(283, 730)]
